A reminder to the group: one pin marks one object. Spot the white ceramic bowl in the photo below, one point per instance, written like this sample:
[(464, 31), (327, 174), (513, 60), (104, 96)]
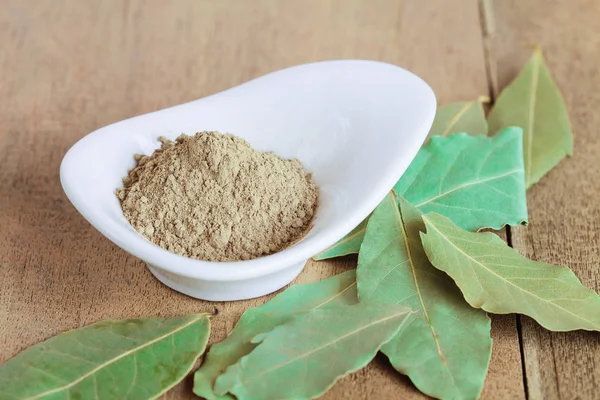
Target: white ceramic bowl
[(356, 125)]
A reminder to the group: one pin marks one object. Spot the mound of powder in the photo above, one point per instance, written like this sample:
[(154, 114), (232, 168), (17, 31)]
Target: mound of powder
[(213, 197)]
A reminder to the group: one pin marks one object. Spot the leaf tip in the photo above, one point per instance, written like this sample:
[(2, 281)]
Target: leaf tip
[(537, 49), (570, 150)]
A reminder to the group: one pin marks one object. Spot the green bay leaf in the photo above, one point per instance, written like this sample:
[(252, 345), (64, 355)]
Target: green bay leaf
[(297, 299), (137, 358), (476, 181), (497, 279), (533, 101), (464, 116), (349, 244), (303, 358), (446, 349)]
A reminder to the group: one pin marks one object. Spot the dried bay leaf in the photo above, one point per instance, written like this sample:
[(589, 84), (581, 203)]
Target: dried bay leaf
[(464, 116), (533, 101), (297, 299), (497, 279), (349, 244), (476, 181), (303, 358), (446, 349), (131, 358)]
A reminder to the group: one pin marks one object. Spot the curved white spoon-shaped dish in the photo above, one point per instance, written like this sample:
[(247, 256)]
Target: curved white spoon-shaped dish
[(356, 125)]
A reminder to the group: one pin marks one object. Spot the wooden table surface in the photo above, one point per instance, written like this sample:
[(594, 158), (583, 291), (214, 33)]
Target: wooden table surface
[(68, 67)]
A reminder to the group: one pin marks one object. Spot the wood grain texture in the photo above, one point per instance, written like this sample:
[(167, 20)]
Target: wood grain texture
[(68, 67), (564, 212)]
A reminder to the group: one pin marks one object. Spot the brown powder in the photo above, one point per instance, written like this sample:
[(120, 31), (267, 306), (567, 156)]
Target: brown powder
[(213, 197)]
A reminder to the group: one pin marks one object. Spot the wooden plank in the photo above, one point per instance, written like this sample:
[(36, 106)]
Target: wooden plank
[(563, 208), (68, 67)]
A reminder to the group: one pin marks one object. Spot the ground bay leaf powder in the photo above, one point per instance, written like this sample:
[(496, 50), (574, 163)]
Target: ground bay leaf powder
[(213, 197)]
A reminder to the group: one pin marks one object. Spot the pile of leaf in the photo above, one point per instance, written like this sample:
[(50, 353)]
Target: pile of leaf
[(425, 281)]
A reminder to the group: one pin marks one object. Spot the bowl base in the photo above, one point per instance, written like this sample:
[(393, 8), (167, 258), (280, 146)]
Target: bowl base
[(228, 290)]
